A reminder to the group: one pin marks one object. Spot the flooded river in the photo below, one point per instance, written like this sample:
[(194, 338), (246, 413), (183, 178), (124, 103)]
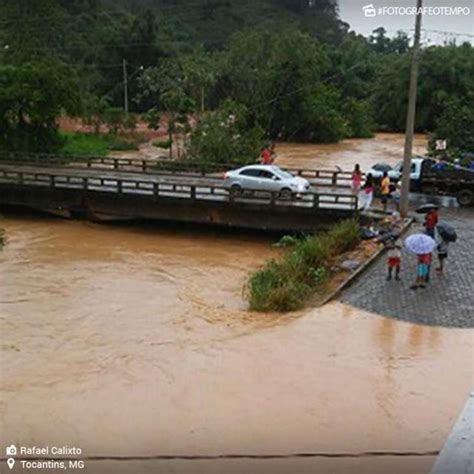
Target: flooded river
[(134, 340)]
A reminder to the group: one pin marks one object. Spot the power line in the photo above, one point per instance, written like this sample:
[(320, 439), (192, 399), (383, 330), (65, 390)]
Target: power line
[(450, 33), (300, 89)]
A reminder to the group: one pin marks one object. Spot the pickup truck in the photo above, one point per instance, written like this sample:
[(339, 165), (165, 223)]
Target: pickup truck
[(428, 176)]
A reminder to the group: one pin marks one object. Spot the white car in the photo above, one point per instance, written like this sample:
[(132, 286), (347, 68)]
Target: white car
[(266, 178)]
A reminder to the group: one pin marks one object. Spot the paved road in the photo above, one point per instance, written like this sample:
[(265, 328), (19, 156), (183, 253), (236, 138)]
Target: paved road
[(447, 301)]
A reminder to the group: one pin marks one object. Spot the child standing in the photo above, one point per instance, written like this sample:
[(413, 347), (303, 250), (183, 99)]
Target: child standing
[(442, 254), (396, 196), (423, 263), (394, 259)]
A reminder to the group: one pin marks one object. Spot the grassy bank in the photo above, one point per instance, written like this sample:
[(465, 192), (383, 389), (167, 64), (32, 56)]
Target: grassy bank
[(286, 284), (90, 144)]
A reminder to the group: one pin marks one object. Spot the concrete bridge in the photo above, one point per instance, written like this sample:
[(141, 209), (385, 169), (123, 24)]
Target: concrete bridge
[(117, 189)]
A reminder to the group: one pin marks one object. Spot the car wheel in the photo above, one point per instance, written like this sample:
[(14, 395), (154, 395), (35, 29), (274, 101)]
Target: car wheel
[(236, 190), (465, 197), (285, 193)]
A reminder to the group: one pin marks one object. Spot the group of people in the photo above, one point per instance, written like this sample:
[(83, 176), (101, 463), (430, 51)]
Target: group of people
[(387, 189), (424, 261)]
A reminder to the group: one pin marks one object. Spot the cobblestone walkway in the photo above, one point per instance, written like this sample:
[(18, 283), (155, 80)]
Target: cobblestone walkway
[(446, 301)]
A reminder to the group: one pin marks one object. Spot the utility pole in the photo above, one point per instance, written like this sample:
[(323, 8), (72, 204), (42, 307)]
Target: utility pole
[(410, 126), (125, 85)]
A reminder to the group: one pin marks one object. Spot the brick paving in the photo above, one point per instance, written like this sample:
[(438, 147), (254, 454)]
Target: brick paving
[(447, 301)]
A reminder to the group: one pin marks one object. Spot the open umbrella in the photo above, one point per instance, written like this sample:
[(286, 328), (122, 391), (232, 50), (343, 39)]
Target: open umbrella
[(447, 232), (420, 244), (426, 208)]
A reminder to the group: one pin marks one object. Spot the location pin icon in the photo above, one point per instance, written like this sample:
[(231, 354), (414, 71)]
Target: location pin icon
[(11, 463)]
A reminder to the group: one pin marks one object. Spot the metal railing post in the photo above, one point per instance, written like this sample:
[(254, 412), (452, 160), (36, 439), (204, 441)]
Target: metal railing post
[(316, 200)]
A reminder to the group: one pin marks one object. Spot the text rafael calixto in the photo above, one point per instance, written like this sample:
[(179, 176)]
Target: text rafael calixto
[(47, 451)]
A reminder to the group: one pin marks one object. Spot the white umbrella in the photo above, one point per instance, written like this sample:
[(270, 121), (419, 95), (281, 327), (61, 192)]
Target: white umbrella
[(420, 244)]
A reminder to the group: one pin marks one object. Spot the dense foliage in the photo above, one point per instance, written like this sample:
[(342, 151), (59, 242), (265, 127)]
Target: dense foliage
[(225, 136), (32, 96), (286, 283), (456, 124), (291, 64)]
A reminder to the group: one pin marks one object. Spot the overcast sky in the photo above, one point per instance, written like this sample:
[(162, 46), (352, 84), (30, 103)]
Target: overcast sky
[(351, 12)]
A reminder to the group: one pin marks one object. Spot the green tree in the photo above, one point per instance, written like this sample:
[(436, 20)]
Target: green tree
[(32, 29), (382, 44), (32, 96), (360, 118), (165, 87), (455, 125), (446, 73), (200, 76), (226, 136), (278, 77)]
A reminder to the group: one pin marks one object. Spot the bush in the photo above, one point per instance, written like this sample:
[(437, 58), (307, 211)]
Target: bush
[(165, 144), (285, 284), (84, 144), (90, 144)]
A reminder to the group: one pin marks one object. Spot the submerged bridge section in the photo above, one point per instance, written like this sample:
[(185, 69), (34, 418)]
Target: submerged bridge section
[(116, 189)]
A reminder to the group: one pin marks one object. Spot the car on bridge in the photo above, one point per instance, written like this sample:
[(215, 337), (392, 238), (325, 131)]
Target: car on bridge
[(266, 178)]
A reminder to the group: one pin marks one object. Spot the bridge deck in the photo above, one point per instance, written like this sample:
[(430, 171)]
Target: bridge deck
[(131, 192)]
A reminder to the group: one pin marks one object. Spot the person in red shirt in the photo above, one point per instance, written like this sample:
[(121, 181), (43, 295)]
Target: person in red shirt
[(266, 156), (431, 221)]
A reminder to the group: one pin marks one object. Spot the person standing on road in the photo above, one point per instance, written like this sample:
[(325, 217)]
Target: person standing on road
[(442, 254), (356, 180), (431, 221), (397, 195), (369, 192), (394, 259), (385, 190), (422, 268)]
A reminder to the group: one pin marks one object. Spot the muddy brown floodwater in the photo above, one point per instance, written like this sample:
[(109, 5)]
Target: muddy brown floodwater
[(134, 340), (384, 148)]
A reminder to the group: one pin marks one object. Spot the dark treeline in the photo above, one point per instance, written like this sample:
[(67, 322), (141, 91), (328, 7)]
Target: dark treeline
[(287, 69)]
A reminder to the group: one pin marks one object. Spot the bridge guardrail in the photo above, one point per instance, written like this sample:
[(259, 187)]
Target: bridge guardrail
[(322, 177), (176, 190)]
